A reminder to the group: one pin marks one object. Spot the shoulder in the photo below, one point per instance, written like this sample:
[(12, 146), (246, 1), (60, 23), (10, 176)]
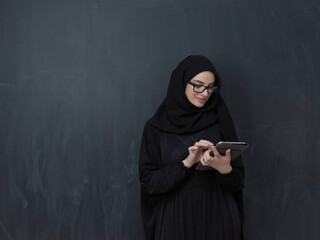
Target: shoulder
[(149, 128), (151, 133), (151, 138)]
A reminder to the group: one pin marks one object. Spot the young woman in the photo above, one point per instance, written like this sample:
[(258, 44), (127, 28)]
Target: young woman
[(178, 201)]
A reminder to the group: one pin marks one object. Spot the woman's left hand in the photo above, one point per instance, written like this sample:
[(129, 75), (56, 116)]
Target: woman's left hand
[(219, 162)]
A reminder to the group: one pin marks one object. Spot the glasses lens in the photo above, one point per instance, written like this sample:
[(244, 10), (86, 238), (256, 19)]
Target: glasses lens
[(198, 88), (212, 89)]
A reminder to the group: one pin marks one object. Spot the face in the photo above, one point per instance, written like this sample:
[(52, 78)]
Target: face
[(205, 79)]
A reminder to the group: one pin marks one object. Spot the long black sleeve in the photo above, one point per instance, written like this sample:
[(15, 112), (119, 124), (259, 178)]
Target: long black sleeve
[(155, 177), (233, 181)]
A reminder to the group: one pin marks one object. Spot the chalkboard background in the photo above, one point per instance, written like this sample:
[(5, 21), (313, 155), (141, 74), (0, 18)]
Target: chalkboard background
[(79, 78)]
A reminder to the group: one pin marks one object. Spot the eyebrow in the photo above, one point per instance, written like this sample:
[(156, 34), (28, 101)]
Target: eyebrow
[(212, 83)]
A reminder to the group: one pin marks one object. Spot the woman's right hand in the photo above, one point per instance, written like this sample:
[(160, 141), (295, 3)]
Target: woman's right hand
[(196, 152)]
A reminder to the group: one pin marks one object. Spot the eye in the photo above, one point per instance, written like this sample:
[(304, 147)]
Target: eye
[(198, 86)]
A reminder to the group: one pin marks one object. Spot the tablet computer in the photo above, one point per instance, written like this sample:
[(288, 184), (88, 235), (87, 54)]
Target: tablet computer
[(236, 149)]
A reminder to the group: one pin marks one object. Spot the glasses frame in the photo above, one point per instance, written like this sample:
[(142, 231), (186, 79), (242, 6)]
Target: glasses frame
[(215, 88)]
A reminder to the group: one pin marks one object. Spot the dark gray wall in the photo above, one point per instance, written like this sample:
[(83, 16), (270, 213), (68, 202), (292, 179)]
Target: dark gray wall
[(79, 78)]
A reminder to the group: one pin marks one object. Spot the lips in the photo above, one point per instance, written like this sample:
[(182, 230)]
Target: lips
[(202, 100)]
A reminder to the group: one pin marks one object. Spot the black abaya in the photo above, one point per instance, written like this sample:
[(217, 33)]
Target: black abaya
[(182, 203)]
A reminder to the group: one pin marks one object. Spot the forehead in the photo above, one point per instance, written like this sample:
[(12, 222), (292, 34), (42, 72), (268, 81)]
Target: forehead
[(206, 77)]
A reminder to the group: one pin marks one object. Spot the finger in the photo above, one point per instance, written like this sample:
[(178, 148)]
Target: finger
[(206, 155), (209, 157), (202, 144), (214, 150), (193, 148), (206, 142), (202, 161), (206, 160), (228, 152)]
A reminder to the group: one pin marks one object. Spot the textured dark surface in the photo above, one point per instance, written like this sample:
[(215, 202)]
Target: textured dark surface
[(78, 80)]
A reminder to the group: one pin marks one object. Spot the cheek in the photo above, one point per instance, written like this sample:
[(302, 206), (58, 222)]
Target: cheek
[(189, 93)]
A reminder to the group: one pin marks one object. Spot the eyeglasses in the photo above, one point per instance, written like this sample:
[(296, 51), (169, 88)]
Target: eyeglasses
[(200, 88)]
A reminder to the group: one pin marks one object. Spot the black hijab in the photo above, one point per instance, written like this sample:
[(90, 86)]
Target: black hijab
[(176, 114)]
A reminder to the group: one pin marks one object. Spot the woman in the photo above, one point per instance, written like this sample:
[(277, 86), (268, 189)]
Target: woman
[(178, 201)]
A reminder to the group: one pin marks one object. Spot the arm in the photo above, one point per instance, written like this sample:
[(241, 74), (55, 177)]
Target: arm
[(233, 181), (154, 177), (231, 175)]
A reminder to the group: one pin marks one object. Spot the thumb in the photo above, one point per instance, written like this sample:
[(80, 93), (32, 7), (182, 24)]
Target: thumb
[(228, 153)]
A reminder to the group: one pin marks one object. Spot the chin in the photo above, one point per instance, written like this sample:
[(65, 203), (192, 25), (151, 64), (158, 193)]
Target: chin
[(199, 105)]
